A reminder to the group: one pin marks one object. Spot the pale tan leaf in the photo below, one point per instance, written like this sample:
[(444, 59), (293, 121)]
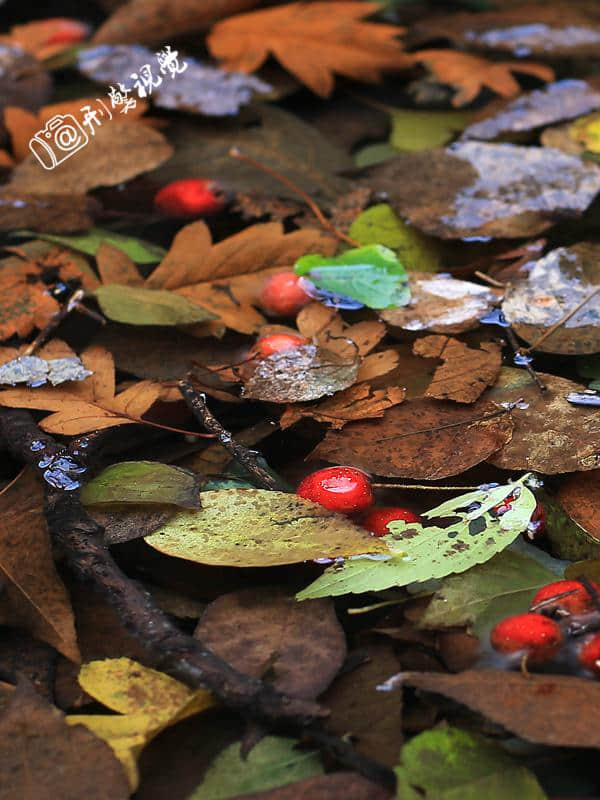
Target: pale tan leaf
[(115, 266)]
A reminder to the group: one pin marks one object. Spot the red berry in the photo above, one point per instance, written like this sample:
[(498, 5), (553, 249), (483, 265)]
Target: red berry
[(589, 655), (540, 636), (377, 519), (283, 295), (189, 197), (577, 603), (277, 343), (344, 489), (66, 31)]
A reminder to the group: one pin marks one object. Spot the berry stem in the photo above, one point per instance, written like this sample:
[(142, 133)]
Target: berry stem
[(327, 224), (423, 486)]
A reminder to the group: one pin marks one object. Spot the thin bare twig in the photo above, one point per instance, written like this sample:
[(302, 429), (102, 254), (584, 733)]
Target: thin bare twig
[(512, 340), (423, 486), (561, 322), (71, 304)]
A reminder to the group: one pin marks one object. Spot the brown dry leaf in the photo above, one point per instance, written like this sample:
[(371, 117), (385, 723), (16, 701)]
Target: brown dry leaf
[(90, 404), (313, 41), (115, 266), (335, 786), (550, 435), (116, 153), (377, 364), (442, 305), (299, 375), (156, 21), (470, 74), (43, 757), (422, 439), (326, 327), (24, 305), (302, 644), (556, 710), (38, 597), (46, 213), (579, 496), (466, 373), (36, 37), (356, 403), (226, 278), (21, 126)]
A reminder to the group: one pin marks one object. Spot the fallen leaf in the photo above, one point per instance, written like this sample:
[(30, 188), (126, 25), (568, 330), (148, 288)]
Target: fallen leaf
[(115, 266), (44, 212), (377, 364), (273, 762), (579, 496), (255, 527), (155, 21), (555, 285), (37, 594), (117, 152), (356, 403), (372, 719), (334, 786), (41, 38), (380, 225), (134, 482), (550, 435), (88, 405), (35, 371), (303, 644), (138, 250), (23, 82), (199, 87), (486, 593), (140, 306), (449, 762), (442, 305), (327, 328), (554, 103), (466, 373), (567, 538), (422, 439), (44, 757), (423, 130), (304, 373), (327, 38), (480, 189), (521, 703), (146, 700), (470, 74)]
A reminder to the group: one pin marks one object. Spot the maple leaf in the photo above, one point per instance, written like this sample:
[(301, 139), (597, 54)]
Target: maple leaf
[(90, 404), (470, 74), (311, 40)]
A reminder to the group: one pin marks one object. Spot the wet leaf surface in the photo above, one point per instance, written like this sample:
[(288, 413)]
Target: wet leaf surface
[(23, 80), (35, 371), (550, 435), (579, 496), (139, 306), (143, 482), (556, 284), (285, 529), (302, 645), (334, 786), (356, 403), (480, 189), (423, 439), (44, 211)]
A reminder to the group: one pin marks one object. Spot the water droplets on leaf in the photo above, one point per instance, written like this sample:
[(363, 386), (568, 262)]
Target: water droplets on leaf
[(495, 317), (35, 371), (587, 398)]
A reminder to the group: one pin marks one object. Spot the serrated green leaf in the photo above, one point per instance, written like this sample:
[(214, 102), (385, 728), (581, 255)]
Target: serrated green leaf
[(136, 306), (451, 764), (424, 130), (505, 584), (138, 250), (420, 554), (381, 225), (372, 275), (273, 762), (143, 482)]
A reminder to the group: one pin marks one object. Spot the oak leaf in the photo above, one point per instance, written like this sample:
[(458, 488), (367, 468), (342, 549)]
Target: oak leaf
[(470, 74), (356, 403), (313, 41), (465, 373), (90, 404)]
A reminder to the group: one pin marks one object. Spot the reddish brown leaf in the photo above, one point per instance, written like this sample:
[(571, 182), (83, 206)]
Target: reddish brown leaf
[(336, 786), (356, 403)]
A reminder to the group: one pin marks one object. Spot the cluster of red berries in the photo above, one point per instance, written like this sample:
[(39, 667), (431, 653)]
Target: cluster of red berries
[(561, 613), (348, 490)]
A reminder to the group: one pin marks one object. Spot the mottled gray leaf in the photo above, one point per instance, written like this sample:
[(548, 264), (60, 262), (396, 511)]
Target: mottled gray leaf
[(199, 87), (23, 80), (36, 371)]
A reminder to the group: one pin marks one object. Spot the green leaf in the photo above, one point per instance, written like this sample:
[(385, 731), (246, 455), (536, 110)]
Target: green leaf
[(143, 482), (273, 762), (380, 225), (451, 764), (136, 306), (420, 554), (374, 154), (260, 528), (372, 275), (140, 251), (424, 130), (503, 586)]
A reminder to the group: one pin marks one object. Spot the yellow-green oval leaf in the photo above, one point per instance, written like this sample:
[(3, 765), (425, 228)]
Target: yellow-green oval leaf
[(136, 306)]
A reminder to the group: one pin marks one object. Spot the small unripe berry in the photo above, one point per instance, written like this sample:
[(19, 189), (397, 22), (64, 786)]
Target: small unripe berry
[(377, 519), (343, 489), (540, 637), (277, 343), (579, 602), (190, 197), (589, 654), (283, 294)]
